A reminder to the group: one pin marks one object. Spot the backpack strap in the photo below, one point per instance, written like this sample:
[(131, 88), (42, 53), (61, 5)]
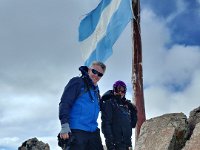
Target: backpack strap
[(87, 87)]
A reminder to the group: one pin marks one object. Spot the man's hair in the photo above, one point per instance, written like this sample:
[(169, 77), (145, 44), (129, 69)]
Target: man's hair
[(102, 65)]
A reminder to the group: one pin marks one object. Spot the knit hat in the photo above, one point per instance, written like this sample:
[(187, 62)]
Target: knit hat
[(118, 84)]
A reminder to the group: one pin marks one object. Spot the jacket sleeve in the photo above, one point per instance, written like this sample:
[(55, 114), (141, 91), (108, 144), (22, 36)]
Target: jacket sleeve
[(70, 94), (133, 111), (106, 116)]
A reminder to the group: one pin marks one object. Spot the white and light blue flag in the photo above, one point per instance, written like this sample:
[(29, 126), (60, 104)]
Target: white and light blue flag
[(99, 30)]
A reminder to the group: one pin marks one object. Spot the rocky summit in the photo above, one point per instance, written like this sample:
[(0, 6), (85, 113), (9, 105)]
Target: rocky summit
[(171, 132), (34, 144)]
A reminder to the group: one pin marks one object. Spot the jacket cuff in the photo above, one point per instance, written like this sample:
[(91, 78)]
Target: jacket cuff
[(65, 128)]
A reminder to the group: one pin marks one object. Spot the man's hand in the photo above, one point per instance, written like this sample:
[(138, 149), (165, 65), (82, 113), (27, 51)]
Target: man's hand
[(65, 130), (64, 136)]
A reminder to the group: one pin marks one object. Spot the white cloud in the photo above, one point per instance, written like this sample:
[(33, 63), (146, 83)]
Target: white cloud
[(181, 62), (11, 142), (52, 141), (164, 66), (180, 7), (189, 98), (154, 37)]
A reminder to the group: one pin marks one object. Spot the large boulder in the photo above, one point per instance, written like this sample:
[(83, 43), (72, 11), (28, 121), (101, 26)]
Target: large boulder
[(194, 118), (34, 144), (194, 142), (166, 132)]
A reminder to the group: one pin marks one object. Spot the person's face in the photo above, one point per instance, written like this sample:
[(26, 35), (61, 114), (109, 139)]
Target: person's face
[(120, 91), (95, 73)]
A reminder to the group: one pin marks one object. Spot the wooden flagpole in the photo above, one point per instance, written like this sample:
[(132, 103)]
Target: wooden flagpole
[(137, 75)]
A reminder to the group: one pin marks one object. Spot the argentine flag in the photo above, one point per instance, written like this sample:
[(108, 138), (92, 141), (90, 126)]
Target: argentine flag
[(99, 30)]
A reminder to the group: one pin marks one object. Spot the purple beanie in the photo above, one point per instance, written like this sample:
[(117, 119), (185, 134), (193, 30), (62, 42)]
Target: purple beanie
[(119, 83)]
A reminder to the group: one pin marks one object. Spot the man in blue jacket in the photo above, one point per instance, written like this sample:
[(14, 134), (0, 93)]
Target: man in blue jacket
[(79, 109)]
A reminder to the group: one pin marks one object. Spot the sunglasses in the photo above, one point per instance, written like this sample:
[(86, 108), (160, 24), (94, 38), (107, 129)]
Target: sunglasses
[(120, 89), (97, 73)]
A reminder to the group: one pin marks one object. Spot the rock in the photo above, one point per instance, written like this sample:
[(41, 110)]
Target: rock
[(194, 143), (167, 132), (34, 144), (194, 118)]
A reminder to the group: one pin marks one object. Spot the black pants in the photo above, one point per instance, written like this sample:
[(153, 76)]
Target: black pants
[(121, 147), (86, 140)]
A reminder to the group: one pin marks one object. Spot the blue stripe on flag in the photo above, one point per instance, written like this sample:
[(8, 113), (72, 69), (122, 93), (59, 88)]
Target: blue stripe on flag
[(117, 23), (88, 24)]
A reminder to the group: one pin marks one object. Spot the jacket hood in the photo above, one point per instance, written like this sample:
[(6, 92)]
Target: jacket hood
[(107, 95), (84, 70), (110, 94)]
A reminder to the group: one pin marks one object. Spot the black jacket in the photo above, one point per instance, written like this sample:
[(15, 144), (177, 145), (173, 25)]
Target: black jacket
[(119, 116)]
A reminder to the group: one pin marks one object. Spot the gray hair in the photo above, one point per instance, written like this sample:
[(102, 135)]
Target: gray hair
[(101, 64)]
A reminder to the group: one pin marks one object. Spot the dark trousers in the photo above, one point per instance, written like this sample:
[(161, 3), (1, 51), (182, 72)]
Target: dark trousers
[(121, 147), (86, 140), (118, 146)]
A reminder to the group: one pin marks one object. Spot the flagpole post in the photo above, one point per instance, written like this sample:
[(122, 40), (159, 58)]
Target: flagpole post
[(137, 71)]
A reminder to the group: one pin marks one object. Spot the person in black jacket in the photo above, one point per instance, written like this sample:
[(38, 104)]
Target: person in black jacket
[(118, 116)]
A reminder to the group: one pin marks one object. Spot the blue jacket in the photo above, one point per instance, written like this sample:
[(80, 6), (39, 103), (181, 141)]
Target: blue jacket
[(79, 107)]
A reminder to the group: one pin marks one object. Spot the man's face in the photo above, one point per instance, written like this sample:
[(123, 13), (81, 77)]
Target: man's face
[(95, 73)]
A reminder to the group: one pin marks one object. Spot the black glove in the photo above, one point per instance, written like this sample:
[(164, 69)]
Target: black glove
[(65, 143)]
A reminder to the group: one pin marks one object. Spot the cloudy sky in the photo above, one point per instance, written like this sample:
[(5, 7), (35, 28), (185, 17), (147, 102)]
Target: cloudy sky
[(39, 53)]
